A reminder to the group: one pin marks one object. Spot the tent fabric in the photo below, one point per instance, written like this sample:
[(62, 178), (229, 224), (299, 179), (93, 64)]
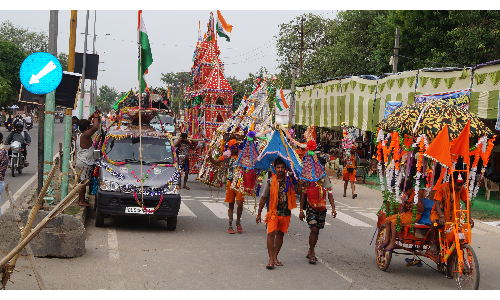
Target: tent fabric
[(485, 95), (330, 103), (277, 146)]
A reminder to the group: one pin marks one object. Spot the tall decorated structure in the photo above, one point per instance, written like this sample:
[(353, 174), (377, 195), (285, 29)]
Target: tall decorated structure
[(209, 100)]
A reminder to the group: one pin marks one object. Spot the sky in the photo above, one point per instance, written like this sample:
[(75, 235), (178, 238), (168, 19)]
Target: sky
[(172, 36)]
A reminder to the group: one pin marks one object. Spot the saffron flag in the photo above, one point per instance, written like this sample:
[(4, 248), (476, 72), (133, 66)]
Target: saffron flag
[(283, 99), (145, 56), (223, 29), (439, 148), (461, 144)]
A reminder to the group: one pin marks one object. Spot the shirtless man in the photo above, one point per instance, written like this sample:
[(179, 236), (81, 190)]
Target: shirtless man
[(231, 155), (444, 206), (85, 152), (405, 216)]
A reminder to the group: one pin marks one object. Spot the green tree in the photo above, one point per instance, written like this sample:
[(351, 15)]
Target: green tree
[(11, 59), (289, 42), (174, 80), (476, 39), (29, 42), (107, 97)]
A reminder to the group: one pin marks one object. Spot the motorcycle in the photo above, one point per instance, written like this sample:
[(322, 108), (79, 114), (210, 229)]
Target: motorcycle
[(29, 126), (16, 158), (61, 118), (8, 125)]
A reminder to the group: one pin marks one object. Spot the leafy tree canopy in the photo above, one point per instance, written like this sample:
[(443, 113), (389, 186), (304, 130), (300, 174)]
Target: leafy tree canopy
[(11, 59), (107, 97)]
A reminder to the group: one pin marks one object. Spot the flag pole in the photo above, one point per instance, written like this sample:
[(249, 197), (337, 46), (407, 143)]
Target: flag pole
[(140, 121)]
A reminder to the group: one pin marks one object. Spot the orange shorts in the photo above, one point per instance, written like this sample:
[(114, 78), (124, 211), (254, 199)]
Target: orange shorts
[(349, 176), (279, 223), (232, 194), (405, 218)]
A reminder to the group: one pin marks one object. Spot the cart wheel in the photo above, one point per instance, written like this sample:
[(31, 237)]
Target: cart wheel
[(469, 280), (383, 259)]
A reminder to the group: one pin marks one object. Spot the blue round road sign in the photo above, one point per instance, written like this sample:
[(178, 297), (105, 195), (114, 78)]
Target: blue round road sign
[(41, 73)]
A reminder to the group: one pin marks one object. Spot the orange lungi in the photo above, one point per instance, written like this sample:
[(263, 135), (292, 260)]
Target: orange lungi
[(405, 217), (232, 194)]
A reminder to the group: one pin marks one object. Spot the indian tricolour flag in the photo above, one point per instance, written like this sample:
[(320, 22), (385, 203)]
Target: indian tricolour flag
[(223, 29), (281, 103), (145, 56)]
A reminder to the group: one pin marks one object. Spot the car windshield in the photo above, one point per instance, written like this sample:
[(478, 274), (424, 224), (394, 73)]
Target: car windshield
[(165, 119), (154, 150)]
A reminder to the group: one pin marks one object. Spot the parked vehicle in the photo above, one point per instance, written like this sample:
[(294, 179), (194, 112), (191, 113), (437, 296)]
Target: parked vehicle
[(119, 183)]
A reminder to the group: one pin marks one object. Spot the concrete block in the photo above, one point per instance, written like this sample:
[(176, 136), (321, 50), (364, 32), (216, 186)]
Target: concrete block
[(64, 236)]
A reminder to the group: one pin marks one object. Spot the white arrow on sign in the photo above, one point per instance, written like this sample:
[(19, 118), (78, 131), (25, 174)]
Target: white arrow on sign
[(46, 70)]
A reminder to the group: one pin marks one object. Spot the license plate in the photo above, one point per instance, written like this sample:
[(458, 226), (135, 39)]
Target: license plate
[(135, 210)]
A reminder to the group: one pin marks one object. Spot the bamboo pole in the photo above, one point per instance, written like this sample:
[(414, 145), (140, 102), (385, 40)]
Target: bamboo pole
[(54, 213), (28, 247), (36, 207)]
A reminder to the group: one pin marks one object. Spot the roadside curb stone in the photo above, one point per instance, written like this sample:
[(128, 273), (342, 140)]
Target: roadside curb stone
[(64, 236)]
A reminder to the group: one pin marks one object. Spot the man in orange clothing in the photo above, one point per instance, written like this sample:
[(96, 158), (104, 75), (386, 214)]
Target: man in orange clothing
[(405, 217), (231, 155), (349, 173), (282, 200), (444, 206)]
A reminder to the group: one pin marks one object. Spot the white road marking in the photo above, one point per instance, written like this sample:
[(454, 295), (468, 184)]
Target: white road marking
[(372, 216), (219, 209), (185, 211), (6, 205), (350, 220), (113, 244), (16, 195), (114, 255), (335, 270)]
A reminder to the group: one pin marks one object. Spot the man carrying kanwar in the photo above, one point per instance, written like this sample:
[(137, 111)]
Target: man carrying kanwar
[(231, 156), (282, 200), (349, 173), (312, 200)]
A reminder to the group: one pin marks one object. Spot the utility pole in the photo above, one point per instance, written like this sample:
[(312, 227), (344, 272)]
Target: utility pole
[(92, 82), (302, 47), (396, 51), (68, 112), (82, 89), (301, 43), (292, 93), (50, 106), (72, 41), (180, 93)]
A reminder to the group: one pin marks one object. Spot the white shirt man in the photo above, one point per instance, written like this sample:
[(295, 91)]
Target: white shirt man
[(27, 119)]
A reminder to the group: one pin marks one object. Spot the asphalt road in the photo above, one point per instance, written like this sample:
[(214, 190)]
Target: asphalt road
[(137, 253), (15, 183)]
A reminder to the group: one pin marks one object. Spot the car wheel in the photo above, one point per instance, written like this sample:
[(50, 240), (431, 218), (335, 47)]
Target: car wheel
[(171, 223), (99, 218)]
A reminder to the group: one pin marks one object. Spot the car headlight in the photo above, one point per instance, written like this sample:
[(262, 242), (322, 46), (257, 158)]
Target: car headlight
[(107, 185), (172, 189)]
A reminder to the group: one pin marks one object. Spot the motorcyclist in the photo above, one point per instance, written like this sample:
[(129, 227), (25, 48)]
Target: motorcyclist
[(28, 120), (9, 120), (21, 136)]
